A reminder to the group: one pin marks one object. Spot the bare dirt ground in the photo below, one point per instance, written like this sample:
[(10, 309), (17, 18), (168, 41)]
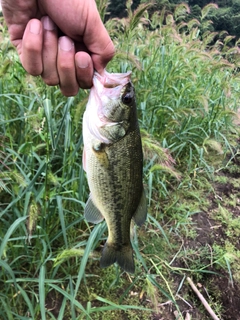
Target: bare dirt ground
[(214, 229)]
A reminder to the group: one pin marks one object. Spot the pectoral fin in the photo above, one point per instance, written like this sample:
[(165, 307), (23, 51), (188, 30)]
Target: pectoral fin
[(141, 213), (98, 148), (92, 213)]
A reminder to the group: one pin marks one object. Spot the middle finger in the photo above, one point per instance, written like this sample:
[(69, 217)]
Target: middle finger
[(49, 52), (66, 67)]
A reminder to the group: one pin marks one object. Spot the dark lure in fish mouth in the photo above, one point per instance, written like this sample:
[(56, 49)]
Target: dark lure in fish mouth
[(113, 161)]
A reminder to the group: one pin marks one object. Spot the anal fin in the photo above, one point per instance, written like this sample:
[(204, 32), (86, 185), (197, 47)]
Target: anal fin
[(140, 214)]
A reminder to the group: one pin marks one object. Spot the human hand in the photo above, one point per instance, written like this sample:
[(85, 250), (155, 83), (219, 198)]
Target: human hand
[(68, 61)]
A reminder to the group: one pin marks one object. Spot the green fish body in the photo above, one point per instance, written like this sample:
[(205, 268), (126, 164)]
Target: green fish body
[(113, 161)]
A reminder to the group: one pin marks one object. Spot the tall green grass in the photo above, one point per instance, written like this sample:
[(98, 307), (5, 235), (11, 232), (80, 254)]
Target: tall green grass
[(186, 90), (187, 93)]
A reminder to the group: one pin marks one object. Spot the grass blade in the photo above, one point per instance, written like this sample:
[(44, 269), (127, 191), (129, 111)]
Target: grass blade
[(114, 306), (96, 233), (48, 112), (157, 224), (8, 269), (8, 234), (61, 217), (69, 297), (41, 286), (27, 300)]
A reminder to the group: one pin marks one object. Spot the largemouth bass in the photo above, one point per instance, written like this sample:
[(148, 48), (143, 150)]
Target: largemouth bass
[(113, 161)]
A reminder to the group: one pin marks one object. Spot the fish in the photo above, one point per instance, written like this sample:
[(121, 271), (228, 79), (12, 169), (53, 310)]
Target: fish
[(113, 161)]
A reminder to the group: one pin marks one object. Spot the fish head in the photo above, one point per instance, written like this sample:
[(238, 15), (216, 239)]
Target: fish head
[(110, 107)]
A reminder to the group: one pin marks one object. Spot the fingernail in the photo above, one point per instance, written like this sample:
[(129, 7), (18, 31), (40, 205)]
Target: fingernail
[(82, 64), (48, 24), (35, 27), (65, 44)]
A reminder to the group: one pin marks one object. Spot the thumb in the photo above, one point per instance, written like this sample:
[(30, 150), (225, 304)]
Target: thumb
[(98, 41), (101, 59)]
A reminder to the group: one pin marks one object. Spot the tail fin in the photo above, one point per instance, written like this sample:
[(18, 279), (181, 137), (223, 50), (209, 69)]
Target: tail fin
[(123, 256)]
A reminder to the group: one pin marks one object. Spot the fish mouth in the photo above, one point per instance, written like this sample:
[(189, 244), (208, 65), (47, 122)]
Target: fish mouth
[(110, 91), (110, 81), (110, 124)]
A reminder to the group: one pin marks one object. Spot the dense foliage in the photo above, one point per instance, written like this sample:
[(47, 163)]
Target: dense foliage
[(118, 8), (225, 18), (187, 90)]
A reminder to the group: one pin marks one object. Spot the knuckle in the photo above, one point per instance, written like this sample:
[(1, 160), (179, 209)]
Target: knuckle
[(85, 85), (34, 69), (51, 82), (69, 92), (65, 65), (31, 47)]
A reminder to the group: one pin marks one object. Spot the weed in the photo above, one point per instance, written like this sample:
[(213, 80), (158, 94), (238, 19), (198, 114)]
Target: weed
[(187, 94)]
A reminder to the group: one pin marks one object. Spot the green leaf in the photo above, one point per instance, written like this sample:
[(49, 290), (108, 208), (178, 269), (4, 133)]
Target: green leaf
[(8, 234), (41, 286)]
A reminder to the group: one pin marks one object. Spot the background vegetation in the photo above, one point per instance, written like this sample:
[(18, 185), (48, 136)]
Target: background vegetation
[(187, 88), (225, 18)]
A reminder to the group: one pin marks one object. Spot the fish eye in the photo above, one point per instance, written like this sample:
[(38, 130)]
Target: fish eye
[(127, 98)]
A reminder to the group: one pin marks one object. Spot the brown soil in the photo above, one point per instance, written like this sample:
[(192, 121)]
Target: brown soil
[(216, 287)]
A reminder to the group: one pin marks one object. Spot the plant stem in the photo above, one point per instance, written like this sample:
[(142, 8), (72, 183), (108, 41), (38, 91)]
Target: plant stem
[(203, 300)]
